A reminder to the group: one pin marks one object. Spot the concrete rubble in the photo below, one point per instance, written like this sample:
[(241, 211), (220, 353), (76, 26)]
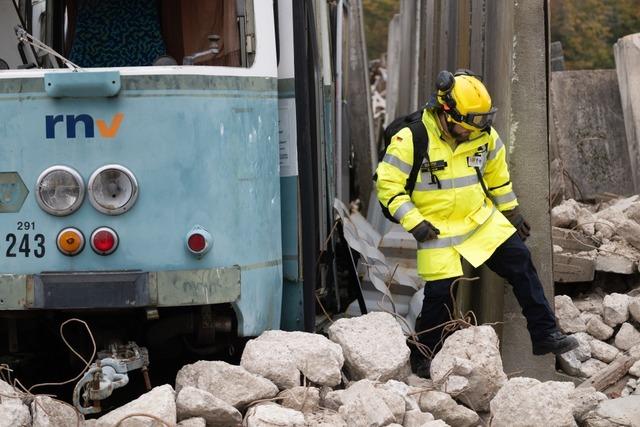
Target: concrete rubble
[(219, 394), (374, 347)]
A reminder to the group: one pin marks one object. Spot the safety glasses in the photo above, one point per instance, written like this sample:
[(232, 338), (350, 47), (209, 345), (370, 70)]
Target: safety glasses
[(477, 120)]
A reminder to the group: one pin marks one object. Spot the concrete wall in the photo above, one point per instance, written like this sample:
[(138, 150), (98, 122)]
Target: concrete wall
[(588, 133), (627, 54), (504, 40)]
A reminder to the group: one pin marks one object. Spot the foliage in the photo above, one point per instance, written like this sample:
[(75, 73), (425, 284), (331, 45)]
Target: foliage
[(377, 15), (589, 28)]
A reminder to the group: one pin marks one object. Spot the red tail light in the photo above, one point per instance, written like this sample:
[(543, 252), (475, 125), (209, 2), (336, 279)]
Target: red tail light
[(197, 242), (104, 240)]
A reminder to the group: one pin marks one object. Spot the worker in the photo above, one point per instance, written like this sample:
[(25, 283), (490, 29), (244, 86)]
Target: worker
[(463, 206)]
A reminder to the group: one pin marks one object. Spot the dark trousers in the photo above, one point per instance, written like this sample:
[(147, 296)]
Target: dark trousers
[(512, 261)]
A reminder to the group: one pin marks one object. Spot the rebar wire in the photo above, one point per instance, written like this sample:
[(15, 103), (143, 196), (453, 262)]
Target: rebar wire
[(87, 363)]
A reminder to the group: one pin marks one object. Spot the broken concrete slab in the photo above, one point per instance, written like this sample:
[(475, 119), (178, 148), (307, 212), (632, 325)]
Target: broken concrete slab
[(374, 347), (481, 367), (193, 403), (528, 402), (282, 356), (635, 369), (614, 263), (233, 384), (159, 402), (273, 415), (627, 337), (568, 315), (572, 268)]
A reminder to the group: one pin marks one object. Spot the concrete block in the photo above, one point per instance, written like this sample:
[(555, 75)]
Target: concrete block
[(589, 131)]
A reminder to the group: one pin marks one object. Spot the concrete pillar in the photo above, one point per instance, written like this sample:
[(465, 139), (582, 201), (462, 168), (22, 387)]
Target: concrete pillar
[(627, 55), (359, 95), (529, 165)]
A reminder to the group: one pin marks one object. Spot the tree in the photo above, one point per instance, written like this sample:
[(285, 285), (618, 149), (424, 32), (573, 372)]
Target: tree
[(377, 15), (589, 28)]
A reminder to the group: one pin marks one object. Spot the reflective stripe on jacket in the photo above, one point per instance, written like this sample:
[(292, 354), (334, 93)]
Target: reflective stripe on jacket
[(451, 198)]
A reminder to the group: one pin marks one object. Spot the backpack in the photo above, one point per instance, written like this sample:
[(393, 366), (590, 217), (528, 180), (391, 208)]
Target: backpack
[(420, 146)]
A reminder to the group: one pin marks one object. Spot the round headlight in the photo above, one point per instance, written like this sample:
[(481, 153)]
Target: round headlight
[(59, 190), (113, 189)]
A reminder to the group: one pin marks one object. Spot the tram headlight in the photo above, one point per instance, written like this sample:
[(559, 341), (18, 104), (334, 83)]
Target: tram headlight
[(113, 189), (59, 190)]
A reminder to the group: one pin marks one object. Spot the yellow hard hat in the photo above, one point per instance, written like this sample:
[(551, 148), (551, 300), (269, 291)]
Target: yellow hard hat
[(465, 99)]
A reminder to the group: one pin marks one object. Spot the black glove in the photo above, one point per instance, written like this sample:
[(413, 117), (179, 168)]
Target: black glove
[(517, 220), (424, 231)]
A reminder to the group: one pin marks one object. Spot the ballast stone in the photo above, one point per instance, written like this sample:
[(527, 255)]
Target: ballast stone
[(374, 347)]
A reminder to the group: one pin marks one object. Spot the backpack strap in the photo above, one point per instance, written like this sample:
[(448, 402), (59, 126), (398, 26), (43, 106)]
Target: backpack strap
[(420, 147)]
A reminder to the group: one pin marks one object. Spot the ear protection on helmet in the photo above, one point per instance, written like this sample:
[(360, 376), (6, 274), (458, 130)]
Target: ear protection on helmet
[(445, 81)]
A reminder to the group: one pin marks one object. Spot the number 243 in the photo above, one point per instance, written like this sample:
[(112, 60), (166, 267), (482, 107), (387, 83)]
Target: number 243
[(24, 247)]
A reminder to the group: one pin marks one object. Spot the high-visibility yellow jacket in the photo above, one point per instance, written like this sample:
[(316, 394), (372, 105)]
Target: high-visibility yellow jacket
[(451, 198)]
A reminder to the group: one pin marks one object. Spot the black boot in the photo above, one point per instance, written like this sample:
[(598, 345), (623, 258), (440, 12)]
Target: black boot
[(556, 343)]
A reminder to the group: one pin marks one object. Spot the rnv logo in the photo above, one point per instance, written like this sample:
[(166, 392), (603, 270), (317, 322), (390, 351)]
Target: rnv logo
[(88, 124)]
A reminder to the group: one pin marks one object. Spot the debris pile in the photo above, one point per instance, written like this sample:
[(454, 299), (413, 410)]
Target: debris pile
[(595, 237), (590, 240), (359, 376)]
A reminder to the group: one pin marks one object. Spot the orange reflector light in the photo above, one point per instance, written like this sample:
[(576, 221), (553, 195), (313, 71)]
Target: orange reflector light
[(70, 241)]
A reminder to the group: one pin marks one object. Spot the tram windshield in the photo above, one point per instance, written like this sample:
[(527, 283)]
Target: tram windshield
[(136, 33)]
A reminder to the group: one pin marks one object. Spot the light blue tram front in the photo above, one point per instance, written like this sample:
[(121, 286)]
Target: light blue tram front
[(177, 198)]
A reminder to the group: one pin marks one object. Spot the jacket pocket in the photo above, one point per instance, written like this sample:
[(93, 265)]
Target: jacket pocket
[(481, 215)]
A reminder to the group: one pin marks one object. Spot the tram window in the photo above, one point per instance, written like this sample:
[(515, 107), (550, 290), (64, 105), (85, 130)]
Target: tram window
[(125, 33)]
